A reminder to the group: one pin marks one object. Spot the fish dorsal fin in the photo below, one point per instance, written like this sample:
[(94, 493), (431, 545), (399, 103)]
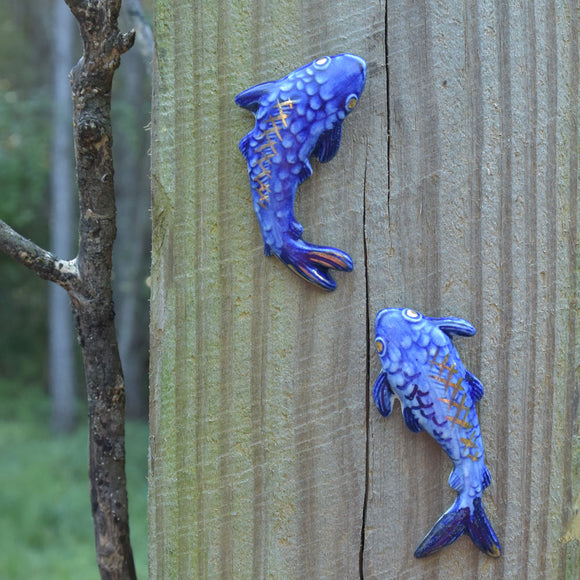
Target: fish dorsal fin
[(475, 386), (328, 143), (452, 325), (250, 98)]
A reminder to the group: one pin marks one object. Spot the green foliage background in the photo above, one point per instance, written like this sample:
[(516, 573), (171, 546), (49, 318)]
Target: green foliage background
[(46, 529), (24, 172)]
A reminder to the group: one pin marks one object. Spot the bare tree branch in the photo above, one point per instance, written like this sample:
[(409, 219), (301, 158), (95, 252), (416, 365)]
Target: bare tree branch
[(87, 278), (43, 263)]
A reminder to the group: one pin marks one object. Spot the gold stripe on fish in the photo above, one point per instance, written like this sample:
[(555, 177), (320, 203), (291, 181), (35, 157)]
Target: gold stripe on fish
[(460, 407), (263, 188)]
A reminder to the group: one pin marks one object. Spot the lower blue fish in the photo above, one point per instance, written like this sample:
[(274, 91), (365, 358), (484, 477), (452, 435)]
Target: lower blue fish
[(422, 368), (296, 116)]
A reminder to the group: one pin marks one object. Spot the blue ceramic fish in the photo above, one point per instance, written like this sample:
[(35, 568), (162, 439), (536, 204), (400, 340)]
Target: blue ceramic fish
[(296, 116), (422, 368)]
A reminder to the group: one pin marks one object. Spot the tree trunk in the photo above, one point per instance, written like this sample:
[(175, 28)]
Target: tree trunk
[(91, 83), (62, 375), (455, 192)]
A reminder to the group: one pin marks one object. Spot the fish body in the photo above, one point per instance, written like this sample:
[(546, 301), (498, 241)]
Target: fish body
[(422, 368), (297, 116)]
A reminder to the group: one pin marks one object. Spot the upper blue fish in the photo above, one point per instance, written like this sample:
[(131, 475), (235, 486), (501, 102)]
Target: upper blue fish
[(422, 368), (296, 116)]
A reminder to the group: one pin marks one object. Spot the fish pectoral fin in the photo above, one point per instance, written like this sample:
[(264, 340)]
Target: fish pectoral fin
[(456, 479), (250, 98), (475, 386), (411, 421), (382, 395), (328, 143), (305, 171), (452, 325)]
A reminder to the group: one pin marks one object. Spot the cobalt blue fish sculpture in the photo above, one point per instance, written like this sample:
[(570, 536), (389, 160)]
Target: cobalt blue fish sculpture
[(296, 116), (422, 368)]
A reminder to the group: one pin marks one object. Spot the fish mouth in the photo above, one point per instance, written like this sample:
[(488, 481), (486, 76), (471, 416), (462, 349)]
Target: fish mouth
[(362, 64), (362, 70), (382, 313), (356, 70)]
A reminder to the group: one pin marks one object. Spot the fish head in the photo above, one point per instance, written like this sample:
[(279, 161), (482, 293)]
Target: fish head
[(341, 80), (396, 330), (405, 335), (311, 103), (325, 92)]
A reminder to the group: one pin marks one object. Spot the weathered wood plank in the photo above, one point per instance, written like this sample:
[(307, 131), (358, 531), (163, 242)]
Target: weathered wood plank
[(258, 380), (455, 192), (484, 225)]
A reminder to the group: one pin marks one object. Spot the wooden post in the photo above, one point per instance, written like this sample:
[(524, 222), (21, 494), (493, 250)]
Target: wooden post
[(455, 192)]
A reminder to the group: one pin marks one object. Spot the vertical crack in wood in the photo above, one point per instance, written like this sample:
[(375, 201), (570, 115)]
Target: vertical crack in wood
[(367, 377), (367, 302), (387, 80)]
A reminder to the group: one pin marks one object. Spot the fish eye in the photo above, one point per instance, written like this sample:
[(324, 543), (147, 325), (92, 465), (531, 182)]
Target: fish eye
[(411, 315), (380, 345), (351, 102), (322, 62)]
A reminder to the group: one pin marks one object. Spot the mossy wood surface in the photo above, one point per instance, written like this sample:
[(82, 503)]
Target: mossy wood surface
[(455, 191)]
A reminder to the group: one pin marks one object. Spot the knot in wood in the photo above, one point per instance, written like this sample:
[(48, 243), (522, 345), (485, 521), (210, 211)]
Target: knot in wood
[(125, 41), (90, 130)]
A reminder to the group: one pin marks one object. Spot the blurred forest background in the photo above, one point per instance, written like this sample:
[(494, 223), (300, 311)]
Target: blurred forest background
[(46, 530)]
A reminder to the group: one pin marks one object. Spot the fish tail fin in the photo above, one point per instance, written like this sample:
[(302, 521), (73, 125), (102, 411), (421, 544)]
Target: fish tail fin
[(450, 526), (456, 521), (481, 531), (313, 262)]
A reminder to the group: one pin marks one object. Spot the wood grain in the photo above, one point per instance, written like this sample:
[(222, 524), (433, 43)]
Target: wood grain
[(456, 192)]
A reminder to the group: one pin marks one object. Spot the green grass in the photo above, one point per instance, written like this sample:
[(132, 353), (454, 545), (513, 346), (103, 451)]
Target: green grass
[(46, 529)]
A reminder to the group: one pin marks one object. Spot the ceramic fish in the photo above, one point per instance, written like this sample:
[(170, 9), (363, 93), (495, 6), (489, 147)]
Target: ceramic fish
[(422, 368), (296, 116)]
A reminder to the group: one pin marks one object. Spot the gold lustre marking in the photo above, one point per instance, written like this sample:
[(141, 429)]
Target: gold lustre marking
[(268, 150), (459, 408)]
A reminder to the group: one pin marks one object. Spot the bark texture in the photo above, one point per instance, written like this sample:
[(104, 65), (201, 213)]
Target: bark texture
[(91, 81)]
